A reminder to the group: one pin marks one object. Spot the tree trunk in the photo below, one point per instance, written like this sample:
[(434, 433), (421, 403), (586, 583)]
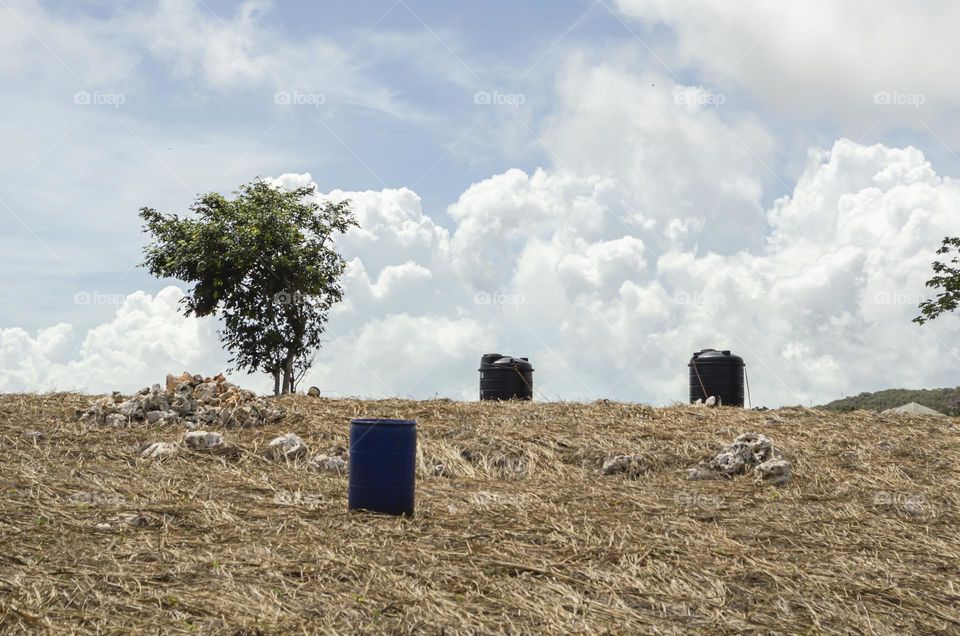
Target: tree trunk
[(276, 382)]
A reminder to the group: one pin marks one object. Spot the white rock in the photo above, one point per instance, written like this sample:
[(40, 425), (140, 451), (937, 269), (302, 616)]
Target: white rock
[(328, 464), (158, 450), (773, 471), (622, 464), (131, 408), (288, 446), (728, 463), (115, 419), (203, 440), (154, 416)]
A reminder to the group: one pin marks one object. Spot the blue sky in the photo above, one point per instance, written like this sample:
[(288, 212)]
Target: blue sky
[(687, 128)]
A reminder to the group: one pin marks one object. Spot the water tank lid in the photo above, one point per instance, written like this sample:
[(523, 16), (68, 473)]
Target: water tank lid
[(380, 421), (520, 364), (712, 356)]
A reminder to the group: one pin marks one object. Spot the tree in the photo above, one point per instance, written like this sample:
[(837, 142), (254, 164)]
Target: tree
[(264, 262), (947, 278)]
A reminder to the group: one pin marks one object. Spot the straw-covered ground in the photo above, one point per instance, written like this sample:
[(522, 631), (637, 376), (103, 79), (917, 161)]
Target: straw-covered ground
[(516, 529)]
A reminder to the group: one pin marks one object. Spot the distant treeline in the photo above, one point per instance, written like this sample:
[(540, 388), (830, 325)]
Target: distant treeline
[(946, 401)]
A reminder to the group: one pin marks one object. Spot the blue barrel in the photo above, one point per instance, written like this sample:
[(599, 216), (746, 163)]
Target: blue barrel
[(383, 461)]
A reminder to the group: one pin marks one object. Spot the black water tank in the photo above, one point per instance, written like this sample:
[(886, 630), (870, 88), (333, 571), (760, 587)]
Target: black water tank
[(505, 378), (716, 373)]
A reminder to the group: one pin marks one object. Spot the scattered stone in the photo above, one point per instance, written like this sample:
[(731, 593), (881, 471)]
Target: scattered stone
[(288, 447), (138, 520), (713, 400), (773, 471), (159, 450), (203, 440), (313, 392), (102, 527), (328, 464), (632, 465), (699, 473), (33, 436)]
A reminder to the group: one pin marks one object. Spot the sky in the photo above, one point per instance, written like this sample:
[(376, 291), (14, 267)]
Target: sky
[(602, 186)]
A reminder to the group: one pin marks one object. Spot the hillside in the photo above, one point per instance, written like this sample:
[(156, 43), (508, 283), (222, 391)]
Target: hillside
[(943, 400), (517, 530)]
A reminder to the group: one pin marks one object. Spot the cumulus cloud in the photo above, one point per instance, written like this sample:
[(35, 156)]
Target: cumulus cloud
[(145, 339), (646, 240)]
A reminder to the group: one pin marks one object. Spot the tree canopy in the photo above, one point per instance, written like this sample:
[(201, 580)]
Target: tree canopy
[(947, 279), (264, 262)]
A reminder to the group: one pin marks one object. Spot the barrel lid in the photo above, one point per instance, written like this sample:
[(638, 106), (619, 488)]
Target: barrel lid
[(712, 356), (380, 421), (520, 364)]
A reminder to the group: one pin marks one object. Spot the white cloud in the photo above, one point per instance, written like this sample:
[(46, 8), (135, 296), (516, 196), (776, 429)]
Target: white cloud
[(648, 239), (818, 57)]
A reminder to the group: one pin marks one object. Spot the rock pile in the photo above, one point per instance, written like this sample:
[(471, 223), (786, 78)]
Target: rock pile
[(749, 451), (188, 399)]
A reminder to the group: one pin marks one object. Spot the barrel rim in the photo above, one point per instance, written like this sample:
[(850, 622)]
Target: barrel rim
[(382, 421)]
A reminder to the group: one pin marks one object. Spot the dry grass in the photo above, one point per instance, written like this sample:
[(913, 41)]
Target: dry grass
[(517, 532)]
